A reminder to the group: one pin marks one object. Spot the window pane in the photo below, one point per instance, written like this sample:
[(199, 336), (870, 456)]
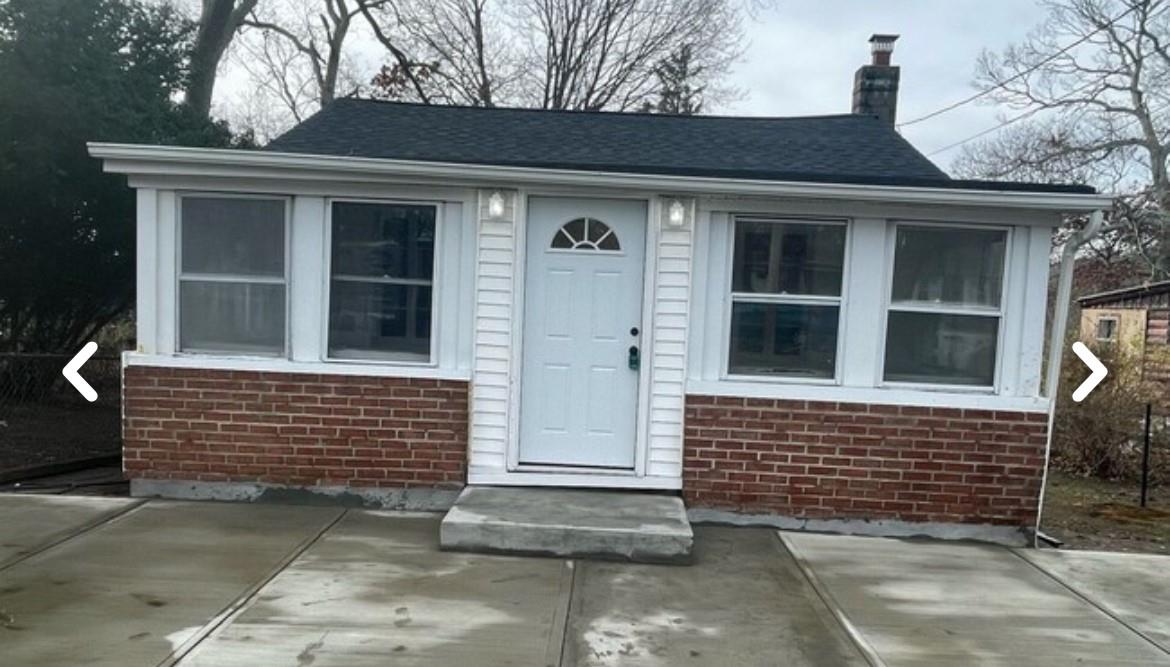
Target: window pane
[(788, 258), (942, 349), (379, 321), (950, 266), (783, 339), (234, 236), (1106, 329), (383, 240), (231, 317)]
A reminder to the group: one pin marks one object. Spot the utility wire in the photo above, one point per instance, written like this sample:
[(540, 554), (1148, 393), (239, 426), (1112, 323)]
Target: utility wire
[(1018, 75), (1027, 114)]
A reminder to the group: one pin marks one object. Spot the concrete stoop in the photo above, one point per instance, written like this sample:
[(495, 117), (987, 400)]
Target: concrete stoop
[(611, 525)]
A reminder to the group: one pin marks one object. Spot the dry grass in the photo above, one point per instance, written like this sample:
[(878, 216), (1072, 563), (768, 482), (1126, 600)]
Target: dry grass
[(1105, 516)]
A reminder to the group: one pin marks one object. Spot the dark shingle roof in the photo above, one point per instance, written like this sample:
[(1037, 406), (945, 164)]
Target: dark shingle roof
[(829, 149)]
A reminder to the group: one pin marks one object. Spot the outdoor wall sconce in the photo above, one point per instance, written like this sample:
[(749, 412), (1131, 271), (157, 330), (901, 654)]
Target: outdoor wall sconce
[(496, 205), (676, 215)]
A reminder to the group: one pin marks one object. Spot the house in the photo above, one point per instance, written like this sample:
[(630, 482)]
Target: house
[(800, 318), (1135, 318)]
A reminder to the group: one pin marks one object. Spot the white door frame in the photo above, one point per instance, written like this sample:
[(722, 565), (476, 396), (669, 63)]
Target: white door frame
[(559, 475)]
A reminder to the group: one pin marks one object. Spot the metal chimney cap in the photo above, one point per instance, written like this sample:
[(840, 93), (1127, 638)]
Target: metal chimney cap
[(883, 42)]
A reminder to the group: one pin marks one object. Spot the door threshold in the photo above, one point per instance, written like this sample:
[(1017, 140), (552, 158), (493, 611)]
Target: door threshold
[(591, 478)]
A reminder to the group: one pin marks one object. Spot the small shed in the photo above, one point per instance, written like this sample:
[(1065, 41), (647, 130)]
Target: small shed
[(1136, 318)]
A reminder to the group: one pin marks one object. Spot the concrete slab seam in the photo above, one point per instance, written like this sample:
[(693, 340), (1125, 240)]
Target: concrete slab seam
[(1002, 535), (859, 641), (92, 525), (1088, 599), (559, 637), (242, 601)]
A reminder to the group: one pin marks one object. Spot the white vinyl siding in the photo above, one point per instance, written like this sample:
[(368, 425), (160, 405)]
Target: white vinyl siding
[(495, 312), (671, 308)]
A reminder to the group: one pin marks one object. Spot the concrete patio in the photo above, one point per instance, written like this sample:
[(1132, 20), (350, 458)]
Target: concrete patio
[(125, 582)]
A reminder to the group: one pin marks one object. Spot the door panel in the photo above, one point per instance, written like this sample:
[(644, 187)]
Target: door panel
[(583, 295)]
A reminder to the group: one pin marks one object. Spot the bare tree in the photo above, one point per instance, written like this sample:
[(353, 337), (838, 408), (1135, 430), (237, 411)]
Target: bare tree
[(1094, 82), (551, 54), (218, 22), (295, 50)]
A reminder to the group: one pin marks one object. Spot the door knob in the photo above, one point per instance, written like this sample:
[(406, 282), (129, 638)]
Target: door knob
[(635, 358)]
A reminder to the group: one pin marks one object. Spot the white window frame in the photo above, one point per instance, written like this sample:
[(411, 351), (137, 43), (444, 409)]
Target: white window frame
[(435, 283), (752, 297), (180, 275), (1116, 328), (999, 312)]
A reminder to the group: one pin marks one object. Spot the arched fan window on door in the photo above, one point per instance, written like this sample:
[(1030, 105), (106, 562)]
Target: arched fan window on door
[(585, 234)]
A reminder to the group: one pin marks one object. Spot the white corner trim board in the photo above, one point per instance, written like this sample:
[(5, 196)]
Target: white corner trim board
[(141, 160)]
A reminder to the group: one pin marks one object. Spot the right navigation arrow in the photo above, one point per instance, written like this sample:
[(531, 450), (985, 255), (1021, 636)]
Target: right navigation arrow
[(1095, 365)]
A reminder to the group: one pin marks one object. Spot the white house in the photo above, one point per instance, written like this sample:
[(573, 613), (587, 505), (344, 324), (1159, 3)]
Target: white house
[(793, 316)]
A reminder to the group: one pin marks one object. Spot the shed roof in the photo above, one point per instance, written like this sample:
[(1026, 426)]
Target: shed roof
[(1127, 294), (850, 149)]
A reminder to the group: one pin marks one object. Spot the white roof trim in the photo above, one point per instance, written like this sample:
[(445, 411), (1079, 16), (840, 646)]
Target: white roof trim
[(173, 161)]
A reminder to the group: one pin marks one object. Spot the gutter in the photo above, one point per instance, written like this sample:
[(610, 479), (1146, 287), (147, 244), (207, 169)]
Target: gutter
[(173, 161), (1068, 259)]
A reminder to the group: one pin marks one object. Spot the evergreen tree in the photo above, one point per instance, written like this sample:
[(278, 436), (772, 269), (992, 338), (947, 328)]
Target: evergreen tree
[(74, 71), (678, 88)]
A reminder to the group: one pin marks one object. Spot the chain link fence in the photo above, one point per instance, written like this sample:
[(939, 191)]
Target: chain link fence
[(43, 420)]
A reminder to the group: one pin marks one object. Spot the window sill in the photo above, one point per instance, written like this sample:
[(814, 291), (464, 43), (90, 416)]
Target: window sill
[(272, 365), (916, 396)]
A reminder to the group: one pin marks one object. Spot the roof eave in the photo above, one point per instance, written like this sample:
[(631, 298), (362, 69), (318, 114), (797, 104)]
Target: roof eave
[(1124, 293), (144, 161)]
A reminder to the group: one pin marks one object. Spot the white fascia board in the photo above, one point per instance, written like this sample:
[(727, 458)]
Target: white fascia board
[(173, 161)]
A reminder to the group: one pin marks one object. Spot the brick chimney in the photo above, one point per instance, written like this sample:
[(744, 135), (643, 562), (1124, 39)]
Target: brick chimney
[(875, 86)]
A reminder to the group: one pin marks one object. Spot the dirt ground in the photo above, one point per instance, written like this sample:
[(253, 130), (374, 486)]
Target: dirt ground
[(1096, 515), (36, 434)]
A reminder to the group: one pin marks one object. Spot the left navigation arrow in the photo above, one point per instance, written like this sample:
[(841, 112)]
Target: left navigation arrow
[(74, 365)]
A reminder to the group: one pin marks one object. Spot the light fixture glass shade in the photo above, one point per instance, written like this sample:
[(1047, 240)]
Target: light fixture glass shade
[(496, 205), (676, 215)]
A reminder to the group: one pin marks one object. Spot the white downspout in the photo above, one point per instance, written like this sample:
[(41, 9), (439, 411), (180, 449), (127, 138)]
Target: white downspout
[(1068, 261)]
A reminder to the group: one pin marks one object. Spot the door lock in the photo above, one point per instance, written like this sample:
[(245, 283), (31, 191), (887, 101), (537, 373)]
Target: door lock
[(635, 359)]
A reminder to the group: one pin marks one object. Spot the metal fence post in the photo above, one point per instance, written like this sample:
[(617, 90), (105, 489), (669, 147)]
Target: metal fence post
[(1146, 453)]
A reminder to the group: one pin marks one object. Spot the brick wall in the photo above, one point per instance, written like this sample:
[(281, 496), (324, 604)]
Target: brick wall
[(842, 460), (295, 429)]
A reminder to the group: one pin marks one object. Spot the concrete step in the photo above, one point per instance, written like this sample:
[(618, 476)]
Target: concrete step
[(611, 525)]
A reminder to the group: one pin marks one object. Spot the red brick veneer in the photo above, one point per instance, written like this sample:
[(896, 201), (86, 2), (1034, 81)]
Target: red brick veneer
[(827, 460), (295, 429)]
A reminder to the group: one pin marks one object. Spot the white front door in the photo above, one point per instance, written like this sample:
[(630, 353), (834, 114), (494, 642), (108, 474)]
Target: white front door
[(582, 332)]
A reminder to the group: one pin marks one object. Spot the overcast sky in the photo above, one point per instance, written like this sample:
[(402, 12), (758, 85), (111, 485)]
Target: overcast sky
[(802, 56)]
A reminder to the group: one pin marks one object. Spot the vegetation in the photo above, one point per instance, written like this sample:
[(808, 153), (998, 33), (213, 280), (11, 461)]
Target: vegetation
[(75, 71), (1090, 104), (1101, 437)]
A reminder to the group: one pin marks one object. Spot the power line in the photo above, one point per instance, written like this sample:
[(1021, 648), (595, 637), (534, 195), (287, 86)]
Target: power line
[(1014, 119), (1018, 75)]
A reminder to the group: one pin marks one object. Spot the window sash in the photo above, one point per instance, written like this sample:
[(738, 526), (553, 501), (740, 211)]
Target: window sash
[(340, 353), (192, 277), (794, 374), (937, 230), (946, 308), (1107, 329), (237, 348), (783, 222), (836, 301)]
